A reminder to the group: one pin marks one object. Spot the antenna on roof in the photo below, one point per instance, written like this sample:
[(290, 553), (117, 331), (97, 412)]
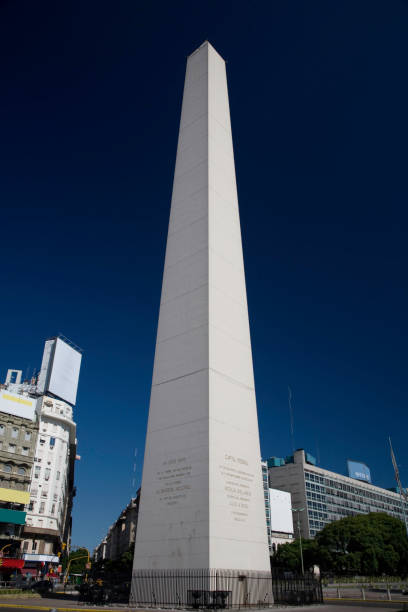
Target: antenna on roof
[(292, 434), (402, 492), (317, 451)]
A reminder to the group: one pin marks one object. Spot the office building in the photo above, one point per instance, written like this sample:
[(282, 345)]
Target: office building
[(327, 496)]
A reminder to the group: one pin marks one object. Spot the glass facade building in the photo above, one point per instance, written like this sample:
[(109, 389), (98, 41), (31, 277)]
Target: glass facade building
[(328, 496)]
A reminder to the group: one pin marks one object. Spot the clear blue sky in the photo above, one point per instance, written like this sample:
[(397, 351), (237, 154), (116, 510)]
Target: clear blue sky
[(90, 103)]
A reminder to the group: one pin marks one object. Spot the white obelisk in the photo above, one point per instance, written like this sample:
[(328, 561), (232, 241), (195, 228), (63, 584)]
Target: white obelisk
[(202, 502)]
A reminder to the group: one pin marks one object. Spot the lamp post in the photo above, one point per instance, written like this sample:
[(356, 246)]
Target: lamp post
[(4, 547), (87, 556), (299, 510)]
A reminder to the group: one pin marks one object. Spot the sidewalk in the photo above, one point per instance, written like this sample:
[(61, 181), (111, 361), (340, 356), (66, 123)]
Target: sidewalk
[(65, 605)]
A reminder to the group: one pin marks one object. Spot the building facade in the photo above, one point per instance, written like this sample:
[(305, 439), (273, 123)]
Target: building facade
[(122, 534), (48, 522), (18, 438), (327, 496), (39, 459), (281, 531)]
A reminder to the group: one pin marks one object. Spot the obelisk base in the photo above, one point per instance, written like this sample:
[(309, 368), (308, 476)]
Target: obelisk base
[(201, 588)]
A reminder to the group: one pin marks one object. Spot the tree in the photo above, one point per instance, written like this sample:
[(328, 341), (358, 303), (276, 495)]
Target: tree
[(367, 544), (288, 555), (114, 571), (78, 566)]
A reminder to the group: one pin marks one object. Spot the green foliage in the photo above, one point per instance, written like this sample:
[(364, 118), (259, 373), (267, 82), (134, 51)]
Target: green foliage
[(373, 544), (78, 567), (288, 555), (367, 544), (114, 571)]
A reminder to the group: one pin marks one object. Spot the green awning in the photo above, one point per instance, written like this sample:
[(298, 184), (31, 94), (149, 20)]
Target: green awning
[(12, 516)]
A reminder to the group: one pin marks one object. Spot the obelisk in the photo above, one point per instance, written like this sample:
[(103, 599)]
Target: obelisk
[(202, 502)]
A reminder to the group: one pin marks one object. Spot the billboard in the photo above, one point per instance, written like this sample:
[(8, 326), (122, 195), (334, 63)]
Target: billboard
[(281, 511), (359, 471), (44, 375), (18, 405), (64, 376), (59, 372)]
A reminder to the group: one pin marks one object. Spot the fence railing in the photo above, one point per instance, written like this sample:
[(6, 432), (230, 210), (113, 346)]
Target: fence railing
[(220, 589)]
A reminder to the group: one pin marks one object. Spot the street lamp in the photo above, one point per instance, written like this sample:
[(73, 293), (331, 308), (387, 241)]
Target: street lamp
[(87, 556), (299, 510)]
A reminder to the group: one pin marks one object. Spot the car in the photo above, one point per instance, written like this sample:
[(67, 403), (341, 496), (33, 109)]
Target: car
[(42, 586)]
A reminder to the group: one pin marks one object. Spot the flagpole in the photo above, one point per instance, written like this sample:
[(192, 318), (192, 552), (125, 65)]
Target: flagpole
[(397, 478)]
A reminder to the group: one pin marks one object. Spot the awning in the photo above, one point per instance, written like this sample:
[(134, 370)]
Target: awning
[(38, 558), (12, 516), (12, 495), (11, 563)]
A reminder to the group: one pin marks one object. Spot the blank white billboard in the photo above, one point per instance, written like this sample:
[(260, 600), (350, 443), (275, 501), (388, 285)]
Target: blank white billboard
[(281, 511), (66, 363), (43, 376), (18, 405)]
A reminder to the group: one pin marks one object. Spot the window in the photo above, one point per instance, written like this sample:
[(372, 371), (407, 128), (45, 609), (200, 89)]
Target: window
[(42, 508), (25, 546), (44, 493), (53, 509), (47, 473), (24, 450), (1, 430), (31, 506), (34, 546), (14, 432), (27, 436), (52, 442), (7, 468), (12, 448), (37, 471), (42, 441), (21, 471), (34, 492), (58, 475)]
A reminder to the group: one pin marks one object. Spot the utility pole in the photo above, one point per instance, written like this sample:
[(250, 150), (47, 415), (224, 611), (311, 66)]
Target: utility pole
[(299, 510)]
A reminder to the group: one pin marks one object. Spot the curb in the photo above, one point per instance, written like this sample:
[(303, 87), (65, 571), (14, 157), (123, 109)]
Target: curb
[(386, 601), (63, 609)]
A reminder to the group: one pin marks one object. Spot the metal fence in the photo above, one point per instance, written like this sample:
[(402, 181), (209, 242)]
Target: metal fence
[(217, 589), (297, 590)]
